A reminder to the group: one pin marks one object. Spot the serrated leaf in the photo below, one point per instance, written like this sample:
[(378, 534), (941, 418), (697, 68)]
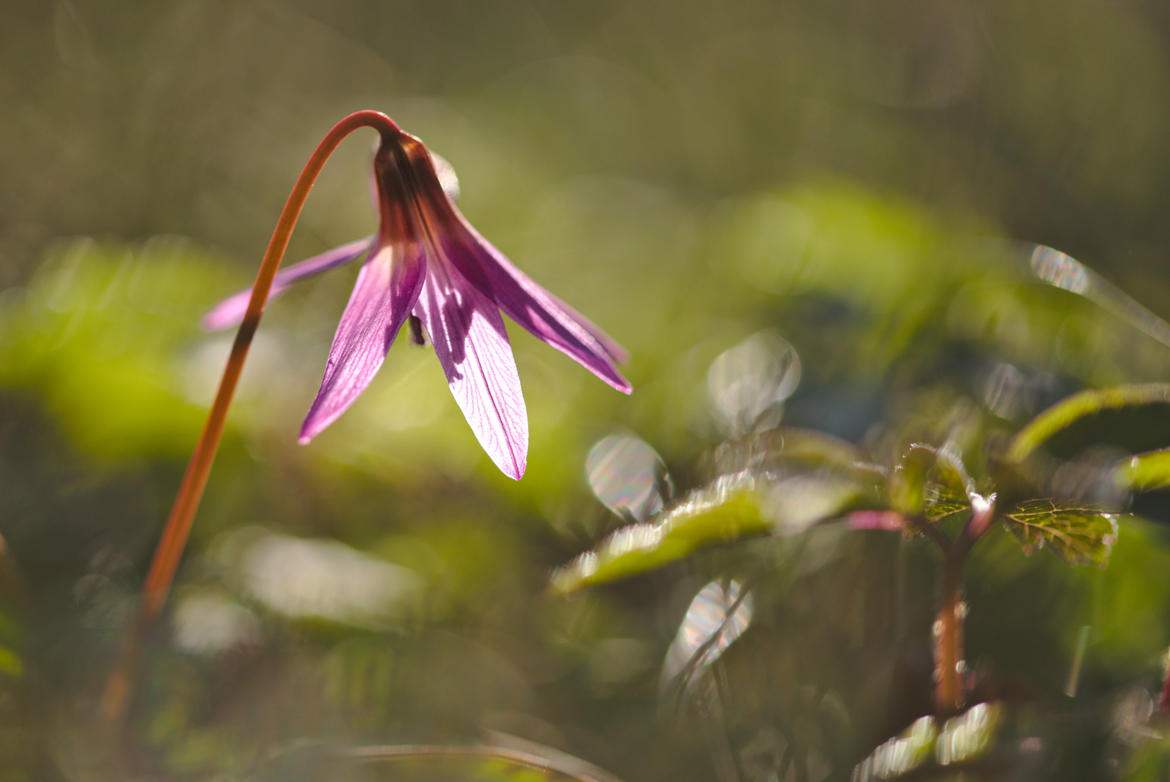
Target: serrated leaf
[(728, 510), (930, 481), (1073, 408), (942, 502), (1080, 534), (1145, 471)]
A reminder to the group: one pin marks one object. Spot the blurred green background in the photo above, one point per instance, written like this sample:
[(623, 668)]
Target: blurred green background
[(855, 181)]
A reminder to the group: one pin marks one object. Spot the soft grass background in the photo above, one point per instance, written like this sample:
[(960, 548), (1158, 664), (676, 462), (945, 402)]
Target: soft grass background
[(853, 176)]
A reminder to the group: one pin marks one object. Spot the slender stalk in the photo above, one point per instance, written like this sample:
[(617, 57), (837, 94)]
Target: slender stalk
[(948, 638), (948, 626), (178, 526)]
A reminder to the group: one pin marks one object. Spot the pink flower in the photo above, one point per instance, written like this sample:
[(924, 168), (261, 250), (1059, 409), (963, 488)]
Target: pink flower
[(427, 262)]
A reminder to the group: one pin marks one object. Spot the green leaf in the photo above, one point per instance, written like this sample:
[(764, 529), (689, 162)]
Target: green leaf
[(1080, 534), (963, 739), (1145, 471), (908, 480), (816, 448), (733, 507), (930, 481), (901, 754), (969, 735), (1086, 403), (728, 510), (105, 335)]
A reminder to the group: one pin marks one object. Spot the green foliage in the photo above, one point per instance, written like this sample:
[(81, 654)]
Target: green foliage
[(1079, 534), (103, 335), (729, 510), (686, 179), (1078, 406), (930, 481), (960, 741), (1145, 471)]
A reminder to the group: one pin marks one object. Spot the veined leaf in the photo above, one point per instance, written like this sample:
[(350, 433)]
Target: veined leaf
[(943, 501), (931, 481), (1145, 471), (1080, 534), (1073, 408)]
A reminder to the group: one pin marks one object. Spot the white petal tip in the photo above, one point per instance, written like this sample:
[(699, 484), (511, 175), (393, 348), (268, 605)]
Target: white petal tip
[(516, 472), (309, 430)]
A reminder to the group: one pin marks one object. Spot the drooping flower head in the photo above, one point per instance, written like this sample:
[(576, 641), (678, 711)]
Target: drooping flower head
[(427, 262)]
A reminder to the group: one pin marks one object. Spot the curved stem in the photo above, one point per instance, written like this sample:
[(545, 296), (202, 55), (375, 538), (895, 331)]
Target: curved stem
[(178, 526)]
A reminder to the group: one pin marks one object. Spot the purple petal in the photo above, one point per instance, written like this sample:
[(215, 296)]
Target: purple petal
[(540, 312), (230, 311), (386, 290), (469, 338)]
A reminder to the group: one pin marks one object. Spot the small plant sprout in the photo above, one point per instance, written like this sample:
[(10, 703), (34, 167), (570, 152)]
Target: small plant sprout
[(925, 492)]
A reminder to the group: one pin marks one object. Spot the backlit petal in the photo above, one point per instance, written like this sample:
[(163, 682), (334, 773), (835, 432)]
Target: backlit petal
[(386, 290), (469, 338), (230, 311), (540, 312)]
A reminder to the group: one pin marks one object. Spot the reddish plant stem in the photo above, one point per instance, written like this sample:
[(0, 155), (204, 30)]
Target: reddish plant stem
[(174, 537), (948, 628), (948, 623), (948, 638)]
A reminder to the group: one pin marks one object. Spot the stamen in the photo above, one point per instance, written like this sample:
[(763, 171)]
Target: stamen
[(417, 335)]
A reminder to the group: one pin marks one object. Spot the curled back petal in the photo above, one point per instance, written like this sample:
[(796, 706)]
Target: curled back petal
[(230, 311), (385, 293), (470, 341), (540, 312), (485, 267)]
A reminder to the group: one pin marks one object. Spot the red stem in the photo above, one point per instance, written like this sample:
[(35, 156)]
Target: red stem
[(948, 641), (178, 526)]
